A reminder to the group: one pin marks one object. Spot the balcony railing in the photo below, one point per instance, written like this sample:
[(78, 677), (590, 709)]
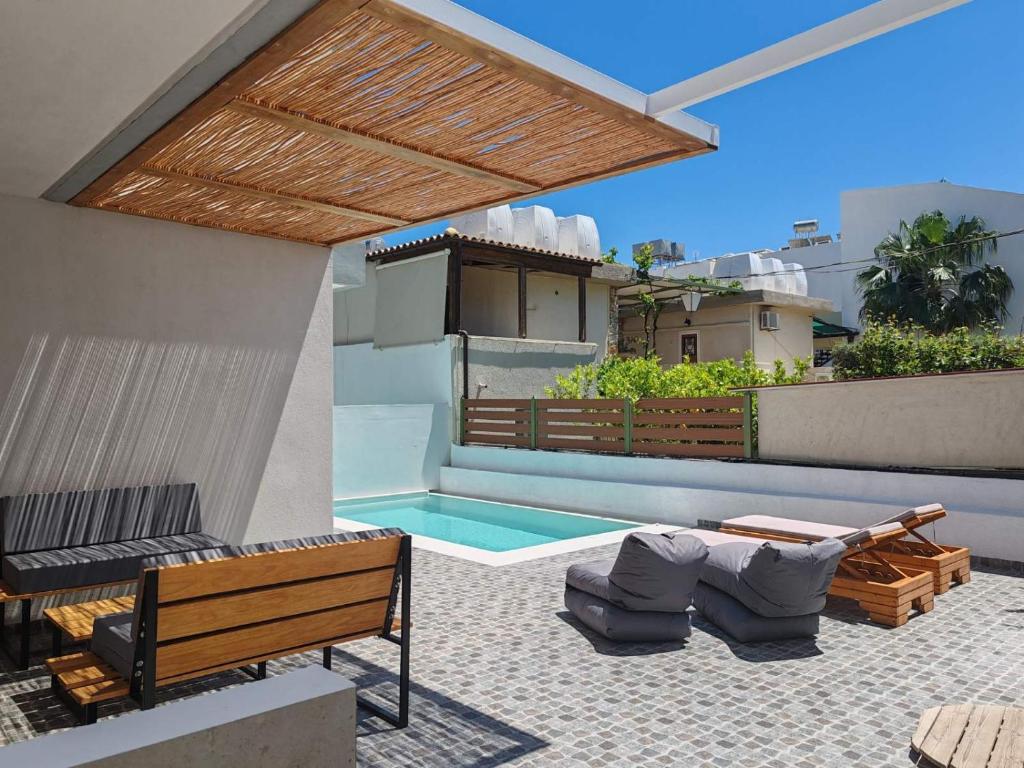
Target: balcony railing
[(705, 427)]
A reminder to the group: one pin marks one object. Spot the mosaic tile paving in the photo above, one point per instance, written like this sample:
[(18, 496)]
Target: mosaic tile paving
[(502, 675)]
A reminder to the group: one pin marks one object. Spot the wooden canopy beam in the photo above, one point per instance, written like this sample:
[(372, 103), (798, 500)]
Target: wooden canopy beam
[(273, 197), (380, 146), (278, 51)]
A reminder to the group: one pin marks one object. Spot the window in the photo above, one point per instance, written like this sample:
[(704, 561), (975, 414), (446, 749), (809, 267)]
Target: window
[(688, 348)]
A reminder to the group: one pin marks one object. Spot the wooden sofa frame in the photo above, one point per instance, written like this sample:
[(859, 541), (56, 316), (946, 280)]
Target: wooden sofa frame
[(199, 618), (885, 591)]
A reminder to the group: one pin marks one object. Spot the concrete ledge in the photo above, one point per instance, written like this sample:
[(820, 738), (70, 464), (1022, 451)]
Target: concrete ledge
[(306, 717), (985, 513)]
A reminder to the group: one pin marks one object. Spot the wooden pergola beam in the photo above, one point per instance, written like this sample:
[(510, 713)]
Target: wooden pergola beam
[(278, 51), (380, 146), (273, 197)]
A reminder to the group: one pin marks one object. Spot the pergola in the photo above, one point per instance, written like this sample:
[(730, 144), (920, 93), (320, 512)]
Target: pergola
[(365, 116)]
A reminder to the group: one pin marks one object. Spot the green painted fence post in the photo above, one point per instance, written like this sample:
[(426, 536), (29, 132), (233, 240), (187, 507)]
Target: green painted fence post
[(627, 423), (462, 421), (533, 423), (748, 425)]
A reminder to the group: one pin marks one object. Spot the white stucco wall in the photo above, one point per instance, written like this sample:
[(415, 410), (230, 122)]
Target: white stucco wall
[(500, 367), (952, 420), (135, 351), (354, 310), (418, 373), (381, 449), (985, 514)]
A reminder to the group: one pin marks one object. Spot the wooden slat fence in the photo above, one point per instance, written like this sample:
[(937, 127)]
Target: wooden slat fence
[(710, 427)]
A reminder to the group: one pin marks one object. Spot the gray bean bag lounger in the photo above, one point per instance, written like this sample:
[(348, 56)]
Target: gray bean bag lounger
[(767, 590), (643, 594)]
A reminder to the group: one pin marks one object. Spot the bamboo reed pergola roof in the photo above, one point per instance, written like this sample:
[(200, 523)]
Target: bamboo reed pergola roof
[(365, 116)]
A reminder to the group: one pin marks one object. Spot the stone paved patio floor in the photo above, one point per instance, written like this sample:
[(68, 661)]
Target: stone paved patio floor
[(503, 676)]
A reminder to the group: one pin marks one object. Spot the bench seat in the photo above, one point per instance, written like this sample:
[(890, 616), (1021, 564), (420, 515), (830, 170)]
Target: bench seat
[(51, 569)]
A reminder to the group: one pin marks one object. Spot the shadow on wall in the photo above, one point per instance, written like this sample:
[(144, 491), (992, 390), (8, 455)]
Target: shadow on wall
[(92, 412)]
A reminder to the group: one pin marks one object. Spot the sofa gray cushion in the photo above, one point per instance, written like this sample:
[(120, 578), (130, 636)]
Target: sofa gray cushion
[(743, 624), (616, 623), (56, 520), (112, 641), (95, 564), (774, 578), (653, 572)]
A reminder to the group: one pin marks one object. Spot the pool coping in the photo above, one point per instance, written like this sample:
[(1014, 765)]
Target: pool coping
[(524, 554)]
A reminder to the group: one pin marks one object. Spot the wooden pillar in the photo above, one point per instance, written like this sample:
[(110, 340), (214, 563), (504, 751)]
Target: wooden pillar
[(581, 289), (522, 302), (455, 288)]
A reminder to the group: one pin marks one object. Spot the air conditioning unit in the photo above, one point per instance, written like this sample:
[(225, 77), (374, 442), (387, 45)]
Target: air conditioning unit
[(769, 320)]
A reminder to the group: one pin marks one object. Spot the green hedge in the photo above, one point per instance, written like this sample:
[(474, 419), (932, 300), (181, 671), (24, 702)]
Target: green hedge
[(894, 349)]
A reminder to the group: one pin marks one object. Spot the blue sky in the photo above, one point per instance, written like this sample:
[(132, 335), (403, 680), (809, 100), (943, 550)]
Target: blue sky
[(943, 98)]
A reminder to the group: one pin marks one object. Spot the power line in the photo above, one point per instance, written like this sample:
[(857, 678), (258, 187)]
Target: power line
[(920, 252)]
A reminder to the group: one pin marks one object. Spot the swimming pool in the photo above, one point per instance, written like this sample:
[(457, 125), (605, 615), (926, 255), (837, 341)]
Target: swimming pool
[(472, 523)]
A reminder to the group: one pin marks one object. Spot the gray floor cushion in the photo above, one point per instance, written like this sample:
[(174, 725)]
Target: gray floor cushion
[(112, 641), (621, 625), (774, 578), (94, 564), (653, 572), (738, 621)]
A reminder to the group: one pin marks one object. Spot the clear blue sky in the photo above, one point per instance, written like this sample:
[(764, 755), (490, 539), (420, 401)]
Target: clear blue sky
[(943, 98)]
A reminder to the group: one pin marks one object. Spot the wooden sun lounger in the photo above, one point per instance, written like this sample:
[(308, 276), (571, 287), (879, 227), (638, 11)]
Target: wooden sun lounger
[(946, 564), (194, 619), (888, 593)]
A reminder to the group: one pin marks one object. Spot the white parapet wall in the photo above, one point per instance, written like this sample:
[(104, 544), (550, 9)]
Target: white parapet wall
[(971, 419), (382, 449), (302, 718), (985, 514)]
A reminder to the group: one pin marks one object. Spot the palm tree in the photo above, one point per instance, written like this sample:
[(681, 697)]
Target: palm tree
[(932, 274)]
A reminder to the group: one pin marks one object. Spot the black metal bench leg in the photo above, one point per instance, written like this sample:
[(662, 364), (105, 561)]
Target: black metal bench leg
[(90, 714), (261, 671), (57, 637), (328, 656), (24, 633)]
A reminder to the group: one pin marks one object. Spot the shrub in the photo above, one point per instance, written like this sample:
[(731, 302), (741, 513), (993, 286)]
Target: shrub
[(641, 377), (897, 349)]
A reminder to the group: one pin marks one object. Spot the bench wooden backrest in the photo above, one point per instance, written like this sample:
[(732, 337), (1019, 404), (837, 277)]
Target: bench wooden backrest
[(40, 521), (227, 613)]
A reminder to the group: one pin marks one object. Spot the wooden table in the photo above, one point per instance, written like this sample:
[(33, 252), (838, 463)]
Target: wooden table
[(75, 621), (971, 736)]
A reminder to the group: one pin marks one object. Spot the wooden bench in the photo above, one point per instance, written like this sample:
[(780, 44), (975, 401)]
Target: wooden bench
[(195, 619)]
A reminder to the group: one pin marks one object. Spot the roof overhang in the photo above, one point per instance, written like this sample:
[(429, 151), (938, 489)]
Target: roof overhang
[(670, 290), (366, 116)]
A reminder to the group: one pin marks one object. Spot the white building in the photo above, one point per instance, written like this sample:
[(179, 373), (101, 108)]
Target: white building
[(868, 215)]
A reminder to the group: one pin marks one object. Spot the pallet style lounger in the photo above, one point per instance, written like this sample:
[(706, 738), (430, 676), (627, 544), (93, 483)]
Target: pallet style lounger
[(229, 608), (69, 541), (886, 592), (946, 564)]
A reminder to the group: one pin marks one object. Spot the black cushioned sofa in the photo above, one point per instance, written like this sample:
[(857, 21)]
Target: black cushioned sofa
[(71, 540)]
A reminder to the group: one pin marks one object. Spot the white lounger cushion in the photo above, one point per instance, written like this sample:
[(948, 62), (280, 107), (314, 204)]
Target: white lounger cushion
[(784, 526)]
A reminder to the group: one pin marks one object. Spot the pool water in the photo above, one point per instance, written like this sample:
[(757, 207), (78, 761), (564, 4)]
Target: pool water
[(482, 524)]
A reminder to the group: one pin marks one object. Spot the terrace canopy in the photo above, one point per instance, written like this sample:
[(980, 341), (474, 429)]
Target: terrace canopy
[(364, 116)]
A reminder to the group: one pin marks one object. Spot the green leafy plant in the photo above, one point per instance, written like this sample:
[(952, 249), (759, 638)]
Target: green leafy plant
[(643, 377), (932, 274), (893, 348), (609, 256)]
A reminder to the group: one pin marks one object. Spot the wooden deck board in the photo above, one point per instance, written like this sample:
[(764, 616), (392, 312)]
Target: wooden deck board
[(971, 736)]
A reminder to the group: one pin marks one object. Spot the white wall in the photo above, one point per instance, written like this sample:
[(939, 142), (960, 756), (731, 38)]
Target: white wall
[(135, 351), (822, 283), (381, 449), (951, 420), (418, 373), (985, 514), (518, 367), (354, 310)]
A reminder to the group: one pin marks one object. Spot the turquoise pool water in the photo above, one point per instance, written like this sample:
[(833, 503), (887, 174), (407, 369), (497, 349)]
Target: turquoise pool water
[(481, 524)]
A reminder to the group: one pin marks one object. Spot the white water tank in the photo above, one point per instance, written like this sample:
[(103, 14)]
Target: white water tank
[(703, 268), (745, 267), (577, 236), (492, 224), (535, 227), (797, 279), (774, 276)]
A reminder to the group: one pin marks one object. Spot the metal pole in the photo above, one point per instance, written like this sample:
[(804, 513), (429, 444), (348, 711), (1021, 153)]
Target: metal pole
[(627, 424), (748, 425), (533, 423)]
